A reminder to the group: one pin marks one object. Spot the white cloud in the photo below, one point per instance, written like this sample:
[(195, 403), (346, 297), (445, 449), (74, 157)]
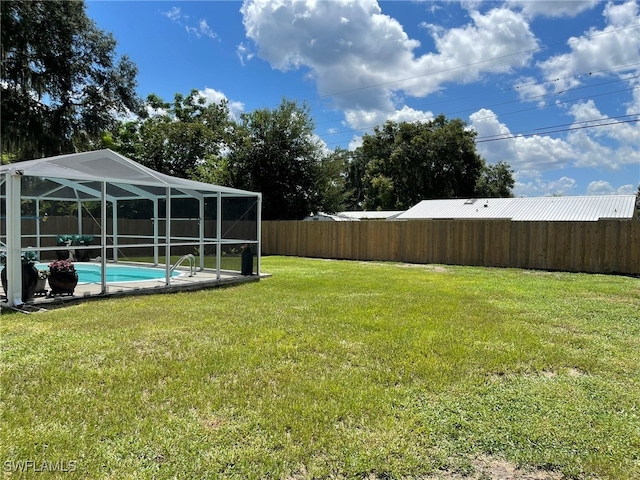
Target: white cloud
[(590, 153), (199, 29), (355, 142), (587, 114), (529, 155), (539, 187), (213, 96), (173, 14), (496, 42), (244, 53), (562, 186), (607, 143), (604, 51), (552, 8), (602, 187), (633, 107), (629, 189), (358, 61), (155, 112), (599, 187), (529, 89), (366, 120), (608, 147), (367, 63), (622, 14)]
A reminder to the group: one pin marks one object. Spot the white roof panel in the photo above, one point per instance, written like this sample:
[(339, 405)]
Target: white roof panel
[(109, 166), (371, 215), (551, 209)]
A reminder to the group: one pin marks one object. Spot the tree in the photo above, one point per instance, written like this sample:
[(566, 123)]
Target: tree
[(355, 173), (275, 152), (331, 195), (61, 82), (177, 138), (496, 181), (409, 162)]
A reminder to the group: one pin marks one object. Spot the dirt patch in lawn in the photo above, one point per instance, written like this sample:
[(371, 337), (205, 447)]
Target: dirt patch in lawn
[(428, 266), (488, 468), (484, 468)]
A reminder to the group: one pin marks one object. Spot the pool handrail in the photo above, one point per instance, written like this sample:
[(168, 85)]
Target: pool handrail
[(192, 263)]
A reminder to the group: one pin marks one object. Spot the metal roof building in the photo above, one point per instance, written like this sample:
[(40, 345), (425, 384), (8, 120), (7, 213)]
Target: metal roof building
[(353, 216), (372, 215), (549, 209)]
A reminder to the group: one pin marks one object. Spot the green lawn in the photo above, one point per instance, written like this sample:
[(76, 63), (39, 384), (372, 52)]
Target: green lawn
[(331, 369)]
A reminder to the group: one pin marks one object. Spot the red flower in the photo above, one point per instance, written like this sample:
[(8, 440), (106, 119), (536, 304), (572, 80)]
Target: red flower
[(62, 266)]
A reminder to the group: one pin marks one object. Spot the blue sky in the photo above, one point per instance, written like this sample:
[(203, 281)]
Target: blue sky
[(551, 87)]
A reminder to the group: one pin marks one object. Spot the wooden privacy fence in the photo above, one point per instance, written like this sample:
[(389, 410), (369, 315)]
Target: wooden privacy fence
[(606, 246)]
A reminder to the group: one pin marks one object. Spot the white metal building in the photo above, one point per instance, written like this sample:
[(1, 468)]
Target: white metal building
[(546, 209), (353, 216)]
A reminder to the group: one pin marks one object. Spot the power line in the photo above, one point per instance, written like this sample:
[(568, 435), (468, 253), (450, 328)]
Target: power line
[(537, 49), (364, 129), (457, 99), (536, 108), (519, 101), (590, 73), (602, 122), (557, 131), (573, 100)]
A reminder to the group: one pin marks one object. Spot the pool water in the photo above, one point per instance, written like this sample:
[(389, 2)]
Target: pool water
[(90, 273)]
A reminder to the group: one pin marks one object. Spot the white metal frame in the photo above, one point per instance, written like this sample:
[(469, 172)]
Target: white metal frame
[(84, 189)]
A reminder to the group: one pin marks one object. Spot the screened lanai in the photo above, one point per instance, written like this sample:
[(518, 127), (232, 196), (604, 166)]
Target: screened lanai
[(126, 212)]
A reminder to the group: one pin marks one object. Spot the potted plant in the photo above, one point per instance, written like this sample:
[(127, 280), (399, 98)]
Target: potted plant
[(42, 282), (29, 275), (63, 277), (63, 241), (83, 240)]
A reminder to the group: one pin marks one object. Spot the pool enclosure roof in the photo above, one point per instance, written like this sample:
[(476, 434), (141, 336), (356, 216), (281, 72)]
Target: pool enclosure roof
[(78, 176)]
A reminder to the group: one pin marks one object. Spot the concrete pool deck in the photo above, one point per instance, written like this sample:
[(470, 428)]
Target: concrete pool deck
[(203, 279)]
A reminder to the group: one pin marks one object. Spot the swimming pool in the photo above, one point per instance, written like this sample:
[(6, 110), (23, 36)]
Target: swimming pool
[(90, 273)]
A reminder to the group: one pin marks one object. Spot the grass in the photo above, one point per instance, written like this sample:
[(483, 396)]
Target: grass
[(332, 369)]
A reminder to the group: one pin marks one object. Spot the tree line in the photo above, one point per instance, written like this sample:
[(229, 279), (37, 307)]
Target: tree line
[(64, 90)]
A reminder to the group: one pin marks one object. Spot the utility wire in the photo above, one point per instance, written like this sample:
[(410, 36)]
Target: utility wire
[(590, 73), (532, 84), (540, 107), (508, 136), (438, 72), (594, 123), (364, 129)]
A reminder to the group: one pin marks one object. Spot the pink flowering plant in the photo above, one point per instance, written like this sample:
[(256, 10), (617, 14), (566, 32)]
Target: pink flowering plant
[(62, 266)]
